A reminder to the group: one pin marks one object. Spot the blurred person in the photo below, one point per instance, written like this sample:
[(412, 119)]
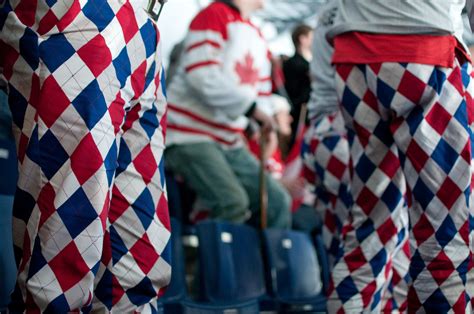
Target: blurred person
[(327, 170), (223, 79), (403, 80), (90, 223), (296, 71)]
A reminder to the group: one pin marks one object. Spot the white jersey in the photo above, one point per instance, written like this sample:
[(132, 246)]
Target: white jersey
[(224, 69)]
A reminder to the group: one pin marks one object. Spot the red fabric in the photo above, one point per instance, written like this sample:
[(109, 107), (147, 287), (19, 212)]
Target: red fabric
[(365, 48), (215, 17)]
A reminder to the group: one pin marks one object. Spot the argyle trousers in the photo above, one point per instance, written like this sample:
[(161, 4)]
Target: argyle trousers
[(91, 225), (327, 164), (415, 116), (468, 81)]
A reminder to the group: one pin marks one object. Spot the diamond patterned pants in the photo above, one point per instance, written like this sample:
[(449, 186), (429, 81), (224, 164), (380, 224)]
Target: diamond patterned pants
[(327, 163), (91, 225), (415, 115)]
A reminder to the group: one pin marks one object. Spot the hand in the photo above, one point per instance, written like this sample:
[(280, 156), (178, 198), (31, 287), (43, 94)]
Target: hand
[(295, 186)]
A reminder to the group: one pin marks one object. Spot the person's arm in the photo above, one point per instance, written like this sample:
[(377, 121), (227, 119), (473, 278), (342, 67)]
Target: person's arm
[(323, 94), (203, 63)]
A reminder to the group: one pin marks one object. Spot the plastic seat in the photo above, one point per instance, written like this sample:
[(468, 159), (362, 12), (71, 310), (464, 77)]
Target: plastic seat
[(249, 307), (230, 261), (323, 261), (176, 291), (176, 299), (295, 271), (8, 179)]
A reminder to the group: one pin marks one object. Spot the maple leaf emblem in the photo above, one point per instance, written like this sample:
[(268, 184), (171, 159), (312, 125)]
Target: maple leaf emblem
[(246, 71)]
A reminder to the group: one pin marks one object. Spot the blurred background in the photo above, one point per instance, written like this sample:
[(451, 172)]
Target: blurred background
[(277, 21)]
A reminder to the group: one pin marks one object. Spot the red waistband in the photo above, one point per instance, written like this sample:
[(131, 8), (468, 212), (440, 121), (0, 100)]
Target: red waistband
[(364, 48)]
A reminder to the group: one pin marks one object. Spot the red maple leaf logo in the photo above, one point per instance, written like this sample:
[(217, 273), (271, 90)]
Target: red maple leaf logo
[(246, 71)]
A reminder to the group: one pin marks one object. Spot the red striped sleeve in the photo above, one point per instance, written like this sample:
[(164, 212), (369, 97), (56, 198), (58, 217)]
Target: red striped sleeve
[(201, 132), (202, 43), (198, 65), (202, 120)]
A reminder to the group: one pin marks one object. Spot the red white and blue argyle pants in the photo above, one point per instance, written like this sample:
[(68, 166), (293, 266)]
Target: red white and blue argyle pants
[(326, 156), (415, 115), (91, 225), (327, 162), (468, 80)]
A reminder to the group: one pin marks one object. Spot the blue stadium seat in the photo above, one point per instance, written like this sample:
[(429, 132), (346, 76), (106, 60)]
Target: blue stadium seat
[(249, 307), (8, 178), (176, 291), (323, 259), (230, 262), (295, 271), (176, 299)]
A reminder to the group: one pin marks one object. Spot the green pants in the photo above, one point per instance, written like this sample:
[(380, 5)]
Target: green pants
[(227, 183)]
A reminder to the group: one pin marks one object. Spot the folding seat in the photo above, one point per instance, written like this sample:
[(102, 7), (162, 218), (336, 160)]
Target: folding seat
[(295, 271), (176, 299), (248, 307), (323, 259), (8, 179), (230, 262), (176, 291)]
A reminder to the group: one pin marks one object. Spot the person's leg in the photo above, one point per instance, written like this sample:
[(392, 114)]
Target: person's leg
[(429, 122), (246, 168), (326, 159), (206, 170), (66, 145), (136, 264), (395, 297), (370, 235), (468, 74)]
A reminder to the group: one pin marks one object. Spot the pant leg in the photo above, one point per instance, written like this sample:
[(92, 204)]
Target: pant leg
[(432, 134), (246, 168), (65, 139), (327, 151), (398, 279), (136, 263), (326, 158), (206, 170), (468, 74), (378, 215), (429, 125)]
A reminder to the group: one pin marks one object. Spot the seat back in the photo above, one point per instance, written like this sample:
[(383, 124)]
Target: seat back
[(323, 259), (295, 270), (176, 291), (230, 262), (8, 180)]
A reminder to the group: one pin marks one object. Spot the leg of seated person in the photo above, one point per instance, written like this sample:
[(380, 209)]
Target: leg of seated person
[(246, 167), (208, 173)]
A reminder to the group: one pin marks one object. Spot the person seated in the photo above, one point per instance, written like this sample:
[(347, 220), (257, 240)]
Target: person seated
[(222, 80)]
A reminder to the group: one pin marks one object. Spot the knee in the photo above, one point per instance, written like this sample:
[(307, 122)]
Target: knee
[(233, 207)]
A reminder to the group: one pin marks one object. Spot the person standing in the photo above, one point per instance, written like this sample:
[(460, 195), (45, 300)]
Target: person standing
[(327, 164), (91, 226), (296, 72)]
